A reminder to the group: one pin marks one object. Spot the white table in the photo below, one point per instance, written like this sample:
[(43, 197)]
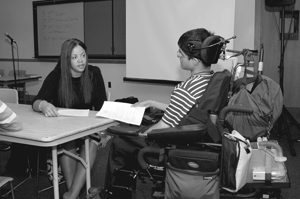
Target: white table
[(42, 131)]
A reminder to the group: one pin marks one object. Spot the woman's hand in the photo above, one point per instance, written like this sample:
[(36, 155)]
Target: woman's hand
[(48, 109)]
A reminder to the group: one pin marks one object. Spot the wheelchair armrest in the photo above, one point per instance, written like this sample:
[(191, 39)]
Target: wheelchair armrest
[(145, 151), (179, 134), (233, 108)]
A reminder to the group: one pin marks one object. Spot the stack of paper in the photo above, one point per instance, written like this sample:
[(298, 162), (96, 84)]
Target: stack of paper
[(74, 112)]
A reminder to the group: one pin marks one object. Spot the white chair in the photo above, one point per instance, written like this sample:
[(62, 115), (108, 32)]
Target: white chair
[(20, 86), (8, 95), (4, 180), (19, 73)]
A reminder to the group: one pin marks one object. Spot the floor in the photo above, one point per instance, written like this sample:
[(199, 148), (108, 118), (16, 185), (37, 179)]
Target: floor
[(28, 190)]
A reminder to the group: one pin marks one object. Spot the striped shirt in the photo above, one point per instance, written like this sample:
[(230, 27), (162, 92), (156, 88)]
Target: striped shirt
[(8, 119), (184, 96)]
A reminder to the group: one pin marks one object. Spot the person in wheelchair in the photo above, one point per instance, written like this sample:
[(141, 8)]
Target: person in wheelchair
[(9, 121), (197, 51)]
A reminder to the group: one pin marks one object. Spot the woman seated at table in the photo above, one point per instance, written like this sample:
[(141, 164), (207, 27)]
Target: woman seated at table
[(73, 84)]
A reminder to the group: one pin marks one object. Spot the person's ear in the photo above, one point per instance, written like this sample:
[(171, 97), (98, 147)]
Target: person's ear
[(196, 61)]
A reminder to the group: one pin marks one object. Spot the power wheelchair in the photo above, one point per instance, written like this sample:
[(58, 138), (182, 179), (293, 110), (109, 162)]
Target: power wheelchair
[(197, 148), (187, 148), (194, 150)]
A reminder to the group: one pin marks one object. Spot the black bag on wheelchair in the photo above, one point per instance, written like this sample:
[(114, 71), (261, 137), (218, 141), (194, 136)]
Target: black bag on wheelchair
[(266, 100), (236, 155), (192, 174)]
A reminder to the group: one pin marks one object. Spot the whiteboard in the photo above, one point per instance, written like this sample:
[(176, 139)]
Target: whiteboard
[(57, 23)]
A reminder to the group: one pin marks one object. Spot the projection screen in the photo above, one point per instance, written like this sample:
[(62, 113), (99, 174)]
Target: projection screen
[(154, 26)]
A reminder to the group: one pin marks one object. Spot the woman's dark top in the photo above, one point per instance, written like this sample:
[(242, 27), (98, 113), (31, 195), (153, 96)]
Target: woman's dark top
[(49, 90)]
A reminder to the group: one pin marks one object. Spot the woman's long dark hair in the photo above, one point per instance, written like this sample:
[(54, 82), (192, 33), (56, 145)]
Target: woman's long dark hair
[(66, 93)]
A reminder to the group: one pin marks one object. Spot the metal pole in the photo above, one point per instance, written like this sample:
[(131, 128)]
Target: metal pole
[(13, 60)]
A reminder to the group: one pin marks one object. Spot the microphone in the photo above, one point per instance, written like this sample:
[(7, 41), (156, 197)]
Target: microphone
[(9, 37), (261, 57), (227, 40)]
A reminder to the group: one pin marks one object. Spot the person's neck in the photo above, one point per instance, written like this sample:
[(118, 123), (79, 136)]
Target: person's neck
[(206, 69), (75, 74)]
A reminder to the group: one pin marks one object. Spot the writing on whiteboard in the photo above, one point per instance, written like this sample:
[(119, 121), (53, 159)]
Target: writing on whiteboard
[(56, 24)]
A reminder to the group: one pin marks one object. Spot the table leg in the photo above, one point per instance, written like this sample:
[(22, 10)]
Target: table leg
[(88, 170), (55, 172)]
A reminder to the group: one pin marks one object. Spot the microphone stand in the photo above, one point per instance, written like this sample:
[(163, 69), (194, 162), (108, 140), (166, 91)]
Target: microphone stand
[(13, 60)]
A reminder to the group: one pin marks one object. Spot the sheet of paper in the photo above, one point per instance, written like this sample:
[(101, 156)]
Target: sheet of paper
[(74, 112), (123, 112)]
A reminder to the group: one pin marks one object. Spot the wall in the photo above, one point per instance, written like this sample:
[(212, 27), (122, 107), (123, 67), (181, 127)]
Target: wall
[(16, 19), (269, 23)]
